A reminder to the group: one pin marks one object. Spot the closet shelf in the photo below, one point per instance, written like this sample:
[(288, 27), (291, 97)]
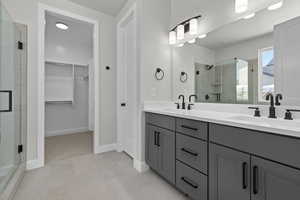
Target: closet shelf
[(55, 62)]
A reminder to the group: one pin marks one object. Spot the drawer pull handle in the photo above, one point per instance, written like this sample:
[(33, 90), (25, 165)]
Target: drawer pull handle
[(255, 180), (189, 182), (190, 128), (245, 175), (189, 152)]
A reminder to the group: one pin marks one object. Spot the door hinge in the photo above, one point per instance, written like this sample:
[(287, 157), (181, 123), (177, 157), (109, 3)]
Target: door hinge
[(20, 45), (20, 149)]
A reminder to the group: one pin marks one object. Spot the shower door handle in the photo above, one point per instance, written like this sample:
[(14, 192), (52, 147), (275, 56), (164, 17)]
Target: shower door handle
[(9, 92)]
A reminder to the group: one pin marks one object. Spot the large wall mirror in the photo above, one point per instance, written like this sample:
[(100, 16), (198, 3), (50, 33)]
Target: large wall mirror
[(242, 61)]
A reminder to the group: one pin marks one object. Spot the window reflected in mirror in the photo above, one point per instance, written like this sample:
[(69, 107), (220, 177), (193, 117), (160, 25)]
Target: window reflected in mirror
[(266, 72)]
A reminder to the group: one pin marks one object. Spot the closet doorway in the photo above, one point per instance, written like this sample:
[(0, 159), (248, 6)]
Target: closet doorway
[(69, 77)]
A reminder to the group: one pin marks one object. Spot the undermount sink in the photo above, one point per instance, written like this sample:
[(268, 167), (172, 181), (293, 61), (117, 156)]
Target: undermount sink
[(267, 121)]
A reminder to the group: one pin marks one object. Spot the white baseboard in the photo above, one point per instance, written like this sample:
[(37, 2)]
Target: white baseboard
[(106, 148), (5, 170), (140, 166), (33, 164), (66, 131)]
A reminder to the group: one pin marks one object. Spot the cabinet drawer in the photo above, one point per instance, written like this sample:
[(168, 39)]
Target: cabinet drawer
[(191, 182), (193, 128), (271, 146), (160, 120), (192, 151)]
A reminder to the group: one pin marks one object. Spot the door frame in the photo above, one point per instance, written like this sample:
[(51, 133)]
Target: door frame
[(42, 9), (131, 14)]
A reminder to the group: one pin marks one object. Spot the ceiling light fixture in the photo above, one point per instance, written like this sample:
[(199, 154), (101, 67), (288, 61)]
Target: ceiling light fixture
[(249, 16), (180, 45), (62, 26), (241, 6), (202, 36), (276, 6)]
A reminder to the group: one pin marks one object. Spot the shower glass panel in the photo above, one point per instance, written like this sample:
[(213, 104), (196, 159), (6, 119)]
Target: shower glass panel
[(225, 82), (10, 103)]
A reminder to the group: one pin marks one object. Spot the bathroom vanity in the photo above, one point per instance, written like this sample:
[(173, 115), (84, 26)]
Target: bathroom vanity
[(211, 159)]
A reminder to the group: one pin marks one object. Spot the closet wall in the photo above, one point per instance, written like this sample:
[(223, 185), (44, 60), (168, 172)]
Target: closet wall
[(74, 46)]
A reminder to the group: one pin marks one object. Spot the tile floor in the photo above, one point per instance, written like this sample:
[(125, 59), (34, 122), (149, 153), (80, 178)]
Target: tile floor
[(80, 175), (68, 146)]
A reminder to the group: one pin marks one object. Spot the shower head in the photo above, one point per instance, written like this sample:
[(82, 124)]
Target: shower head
[(209, 67)]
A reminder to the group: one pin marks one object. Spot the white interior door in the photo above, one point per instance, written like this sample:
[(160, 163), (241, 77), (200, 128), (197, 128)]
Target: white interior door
[(127, 87)]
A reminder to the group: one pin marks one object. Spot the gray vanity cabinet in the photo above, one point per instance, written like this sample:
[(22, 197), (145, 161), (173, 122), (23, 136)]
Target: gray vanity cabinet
[(229, 174), (273, 181), (151, 147), (160, 147)]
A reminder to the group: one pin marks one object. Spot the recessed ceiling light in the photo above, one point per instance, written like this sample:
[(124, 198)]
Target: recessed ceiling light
[(202, 36), (192, 41), (249, 16), (275, 6), (62, 26)]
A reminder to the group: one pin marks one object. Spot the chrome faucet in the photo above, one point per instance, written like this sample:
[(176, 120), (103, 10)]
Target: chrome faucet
[(272, 109), (183, 101)]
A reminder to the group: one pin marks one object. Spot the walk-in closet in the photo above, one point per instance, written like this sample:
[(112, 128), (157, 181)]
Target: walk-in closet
[(68, 88)]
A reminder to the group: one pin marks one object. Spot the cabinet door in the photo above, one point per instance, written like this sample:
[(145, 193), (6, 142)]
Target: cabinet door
[(272, 181), (229, 174), (166, 154), (151, 147)]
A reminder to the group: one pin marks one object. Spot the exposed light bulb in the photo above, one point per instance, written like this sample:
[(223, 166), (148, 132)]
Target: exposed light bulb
[(62, 26), (193, 26), (192, 41), (276, 6), (202, 36), (172, 37), (249, 16), (241, 6), (180, 32)]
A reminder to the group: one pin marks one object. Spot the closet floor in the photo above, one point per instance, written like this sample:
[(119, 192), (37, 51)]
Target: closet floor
[(68, 146)]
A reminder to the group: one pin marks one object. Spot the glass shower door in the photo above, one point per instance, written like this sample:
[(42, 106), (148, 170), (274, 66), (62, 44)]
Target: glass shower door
[(10, 115)]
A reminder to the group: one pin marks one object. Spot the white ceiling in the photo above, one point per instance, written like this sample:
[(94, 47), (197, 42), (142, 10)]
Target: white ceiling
[(79, 31), (263, 23), (110, 7)]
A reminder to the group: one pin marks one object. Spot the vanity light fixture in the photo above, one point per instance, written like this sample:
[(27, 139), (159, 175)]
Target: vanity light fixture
[(202, 36), (194, 26), (62, 26), (180, 32), (276, 6), (249, 16), (241, 6), (192, 41), (187, 28), (172, 37)]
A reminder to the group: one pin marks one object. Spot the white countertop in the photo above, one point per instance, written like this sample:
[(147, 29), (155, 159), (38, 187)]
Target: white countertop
[(277, 126)]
